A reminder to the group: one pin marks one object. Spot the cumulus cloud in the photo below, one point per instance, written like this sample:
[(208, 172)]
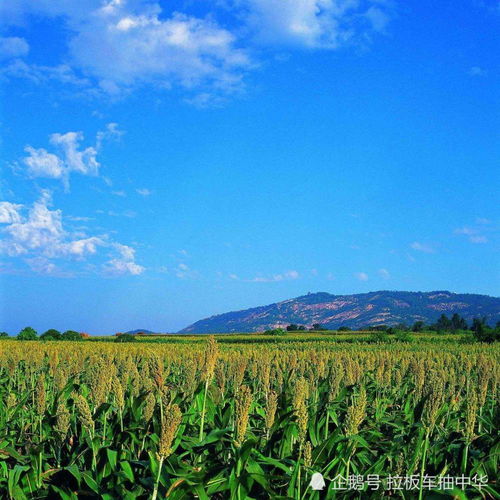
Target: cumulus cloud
[(115, 46), (124, 263), (422, 247), (40, 238), (69, 157), (120, 45), (361, 276), (9, 212), (13, 46)]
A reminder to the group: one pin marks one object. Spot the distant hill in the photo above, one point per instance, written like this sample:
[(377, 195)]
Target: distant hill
[(355, 311), (134, 332)]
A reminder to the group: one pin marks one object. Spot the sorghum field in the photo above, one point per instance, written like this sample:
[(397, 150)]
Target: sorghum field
[(213, 419)]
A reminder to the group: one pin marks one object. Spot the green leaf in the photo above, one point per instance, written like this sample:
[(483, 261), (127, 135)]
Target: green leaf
[(127, 470)]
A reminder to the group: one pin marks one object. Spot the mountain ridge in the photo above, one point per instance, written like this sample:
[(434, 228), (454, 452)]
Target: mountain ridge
[(352, 310)]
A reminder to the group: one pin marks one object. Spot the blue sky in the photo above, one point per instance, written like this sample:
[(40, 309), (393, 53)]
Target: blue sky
[(162, 162)]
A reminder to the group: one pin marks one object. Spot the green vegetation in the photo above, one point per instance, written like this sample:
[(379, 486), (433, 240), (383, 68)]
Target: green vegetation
[(125, 337), (228, 418), (27, 333)]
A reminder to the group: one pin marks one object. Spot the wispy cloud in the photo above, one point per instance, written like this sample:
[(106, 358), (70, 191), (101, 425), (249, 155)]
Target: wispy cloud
[(143, 191), (183, 271), (384, 273), (288, 275), (422, 247), (361, 276), (477, 71), (473, 234), (13, 46)]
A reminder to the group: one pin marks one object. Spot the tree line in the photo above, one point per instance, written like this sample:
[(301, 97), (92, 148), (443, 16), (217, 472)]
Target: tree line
[(29, 333), (456, 324)]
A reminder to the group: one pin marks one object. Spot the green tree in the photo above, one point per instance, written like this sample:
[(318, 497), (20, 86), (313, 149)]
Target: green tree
[(418, 326), (51, 334), (458, 323), (483, 333), (4, 334), (292, 328), (71, 335), (343, 329), (443, 324), (27, 333)]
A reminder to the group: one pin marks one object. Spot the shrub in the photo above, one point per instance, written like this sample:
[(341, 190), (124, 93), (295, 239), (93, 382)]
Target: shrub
[(51, 335), (71, 335), (344, 329), (275, 331), (403, 336), (125, 337)]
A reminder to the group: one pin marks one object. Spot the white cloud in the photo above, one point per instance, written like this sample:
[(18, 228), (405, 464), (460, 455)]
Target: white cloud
[(13, 46), (69, 156), (288, 275), (384, 273), (120, 45), (233, 276), (478, 239), (41, 163), (325, 24), (9, 212), (115, 46), (483, 221), (84, 161), (361, 276), (465, 230), (126, 213), (143, 191), (473, 233), (125, 263), (146, 48), (40, 237), (39, 74), (183, 271), (118, 267), (378, 18), (422, 247)]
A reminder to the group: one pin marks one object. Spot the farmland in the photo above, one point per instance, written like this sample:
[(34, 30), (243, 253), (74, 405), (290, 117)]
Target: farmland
[(248, 416)]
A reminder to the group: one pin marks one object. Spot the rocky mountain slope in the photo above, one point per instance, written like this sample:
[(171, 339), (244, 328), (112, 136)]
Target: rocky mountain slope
[(354, 311)]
